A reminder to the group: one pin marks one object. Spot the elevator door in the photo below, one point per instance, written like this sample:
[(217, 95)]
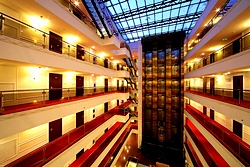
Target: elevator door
[(79, 85), (55, 129), (55, 85)]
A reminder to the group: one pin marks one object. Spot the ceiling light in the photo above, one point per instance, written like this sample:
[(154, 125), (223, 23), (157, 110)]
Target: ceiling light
[(92, 75), (202, 54), (205, 25), (111, 58), (224, 39), (76, 3), (217, 10), (228, 72), (198, 34), (93, 47)]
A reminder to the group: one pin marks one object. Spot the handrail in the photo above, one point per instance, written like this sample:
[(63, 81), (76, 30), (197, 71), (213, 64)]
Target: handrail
[(210, 24), (240, 94), (206, 59), (45, 153), (35, 98), (222, 134), (47, 34)]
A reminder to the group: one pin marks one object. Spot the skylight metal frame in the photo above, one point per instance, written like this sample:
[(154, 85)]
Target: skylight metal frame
[(135, 19)]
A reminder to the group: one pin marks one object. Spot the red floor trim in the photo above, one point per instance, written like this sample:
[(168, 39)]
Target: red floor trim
[(212, 157)]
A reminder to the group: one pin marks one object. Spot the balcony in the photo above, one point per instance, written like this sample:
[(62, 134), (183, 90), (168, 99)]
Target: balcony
[(230, 96), (211, 156), (46, 153), (237, 46), (216, 18), (19, 100), (234, 144), (40, 40)]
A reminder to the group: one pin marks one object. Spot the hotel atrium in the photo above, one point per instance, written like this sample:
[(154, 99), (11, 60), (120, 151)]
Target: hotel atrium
[(124, 83)]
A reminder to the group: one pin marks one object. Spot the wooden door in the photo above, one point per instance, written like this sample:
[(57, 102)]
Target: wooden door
[(237, 128), (79, 118), (117, 102), (79, 153), (212, 114), (117, 85), (106, 63), (212, 86), (79, 85), (55, 85), (204, 85), (238, 87), (204, 110), (106, 107), (55, 129), (106, 85)]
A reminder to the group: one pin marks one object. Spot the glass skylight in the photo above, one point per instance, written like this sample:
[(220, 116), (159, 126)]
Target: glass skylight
[(139, 18)]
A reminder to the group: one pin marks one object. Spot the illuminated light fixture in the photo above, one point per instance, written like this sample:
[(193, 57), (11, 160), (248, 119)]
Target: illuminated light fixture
[(213, 75), (217, 10), (224, 39), (111, 58), (38, 22), (103, 54), (62, 98), (215, 48), (92, 75), (127, 151), (228, 72), (124, 158), (129, 147), (115, 62), (202, 54), (76, 3), (205, 25), (202, 76), (247, 24), (71, 39), (34, 101), (198, 34), (93, 47)]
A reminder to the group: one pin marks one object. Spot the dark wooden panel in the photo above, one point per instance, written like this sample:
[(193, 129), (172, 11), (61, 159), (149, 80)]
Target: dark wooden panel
[(237, 128), (55, 129), (55, 85), (79, 85), (55, 42), (79, 118), (80, 52)]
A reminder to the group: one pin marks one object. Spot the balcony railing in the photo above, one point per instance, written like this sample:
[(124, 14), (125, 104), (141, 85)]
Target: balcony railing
[(233, 96), (239, 45), (44, 154), (223, 10), (90, 155), (234, 144), (17, 29), (212, 157), (20, 100)]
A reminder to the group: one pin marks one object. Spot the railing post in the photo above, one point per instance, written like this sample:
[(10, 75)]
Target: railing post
[(68, 50), (222, 94), (44, 93), (44, 41), (239, 97), (2, 24), (1, 103), (68, 94)]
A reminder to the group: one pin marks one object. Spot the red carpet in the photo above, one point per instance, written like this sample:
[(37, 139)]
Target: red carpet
[(90, 155), (212, 157), (233, 143), (243, 103), (29, 106), (44, 154), (117, 146)]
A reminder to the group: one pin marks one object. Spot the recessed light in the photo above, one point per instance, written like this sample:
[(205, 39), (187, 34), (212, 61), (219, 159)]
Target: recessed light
[(93, 47), (202, 54), (217, 10), (224, 39)]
